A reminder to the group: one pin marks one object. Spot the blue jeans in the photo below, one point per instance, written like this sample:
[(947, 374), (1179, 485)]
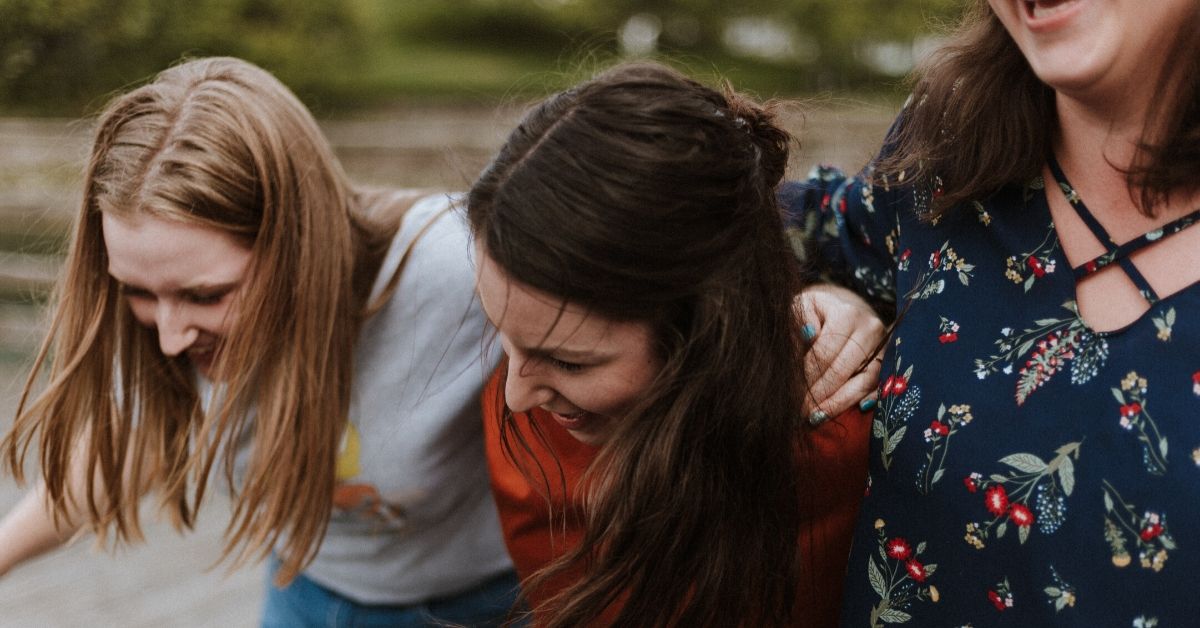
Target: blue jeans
[(304, 603)]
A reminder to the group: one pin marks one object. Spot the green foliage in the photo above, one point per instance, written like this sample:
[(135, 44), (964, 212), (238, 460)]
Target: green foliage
[(63, 56), (60, 54)]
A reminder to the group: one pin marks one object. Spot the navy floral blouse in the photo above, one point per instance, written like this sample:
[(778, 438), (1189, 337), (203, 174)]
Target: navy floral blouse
[(1025, 469)]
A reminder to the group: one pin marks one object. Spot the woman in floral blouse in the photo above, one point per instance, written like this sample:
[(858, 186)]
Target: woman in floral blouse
[(1035, 458)]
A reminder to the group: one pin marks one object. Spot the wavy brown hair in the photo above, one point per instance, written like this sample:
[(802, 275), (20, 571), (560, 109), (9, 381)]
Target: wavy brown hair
[(643, 195), (980, 119), (219, 143)]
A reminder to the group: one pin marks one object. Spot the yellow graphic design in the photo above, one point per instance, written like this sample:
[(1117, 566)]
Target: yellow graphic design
[(347, 460), (360, 499)]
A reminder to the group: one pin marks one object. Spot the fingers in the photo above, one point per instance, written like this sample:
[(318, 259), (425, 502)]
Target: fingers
[(843, 331), (836, 355), (857, 392), (834, 369)]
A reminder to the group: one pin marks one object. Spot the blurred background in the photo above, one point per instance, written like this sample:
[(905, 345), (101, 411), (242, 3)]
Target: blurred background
[(412, 93)]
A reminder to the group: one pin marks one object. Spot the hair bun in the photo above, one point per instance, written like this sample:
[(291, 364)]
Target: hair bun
[(768, 138)]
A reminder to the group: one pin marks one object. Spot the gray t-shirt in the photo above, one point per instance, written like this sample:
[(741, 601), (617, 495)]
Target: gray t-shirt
[(413, 515)]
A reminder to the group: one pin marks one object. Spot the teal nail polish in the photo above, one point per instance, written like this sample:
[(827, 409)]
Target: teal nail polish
[(818, 417), (809, 332), (866, 405)]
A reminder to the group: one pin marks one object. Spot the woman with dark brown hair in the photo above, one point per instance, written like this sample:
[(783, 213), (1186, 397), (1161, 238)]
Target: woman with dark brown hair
[(631, 253), (1034, 458)]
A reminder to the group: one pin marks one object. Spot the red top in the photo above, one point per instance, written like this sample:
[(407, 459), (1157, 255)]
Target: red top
[(836, 454)]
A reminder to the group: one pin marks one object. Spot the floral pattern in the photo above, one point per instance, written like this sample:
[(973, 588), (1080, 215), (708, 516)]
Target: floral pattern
[(1029, 480), (1132, 398), (1146, 531), (1032, 457), (898, 402), (1027, 268), (1050, 346), (938, 435), (1060, 594), (898, 577)]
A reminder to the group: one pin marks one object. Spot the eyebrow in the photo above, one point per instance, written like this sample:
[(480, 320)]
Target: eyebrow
[(199, 288), (568, 354)]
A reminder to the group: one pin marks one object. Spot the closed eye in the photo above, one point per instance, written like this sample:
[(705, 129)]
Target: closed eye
[(205, 299), (135, 293), (561, 365)]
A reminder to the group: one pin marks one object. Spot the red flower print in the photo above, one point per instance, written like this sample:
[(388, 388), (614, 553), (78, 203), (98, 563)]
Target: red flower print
[(916, 570), (1020, 515), (935, 259), (948, 337), (895, 385), (971, 484), (825, 201), (908, 253), (1196, 382), (842, 205), (1035, 265), (899, 549), (997, 601), (996, 499), (1151, 532), (1090, 267), (939, 428), (1131, 410)]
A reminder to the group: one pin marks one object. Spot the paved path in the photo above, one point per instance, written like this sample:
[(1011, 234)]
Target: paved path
[(162, 583), (167, 581)]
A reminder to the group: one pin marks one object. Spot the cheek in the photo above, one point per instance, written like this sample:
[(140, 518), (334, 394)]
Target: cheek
[(1006, 11), (143, 311), (621, 390), (218, 320)]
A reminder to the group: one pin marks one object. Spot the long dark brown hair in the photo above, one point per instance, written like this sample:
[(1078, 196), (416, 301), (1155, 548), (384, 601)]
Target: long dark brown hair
[(646, 196), (980, 119), (221, 143)]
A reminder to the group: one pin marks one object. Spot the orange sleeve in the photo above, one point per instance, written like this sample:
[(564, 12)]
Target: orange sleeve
[(524, 499), (833, 468)]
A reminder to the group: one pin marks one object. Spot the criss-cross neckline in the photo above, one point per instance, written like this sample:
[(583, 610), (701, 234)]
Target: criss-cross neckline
[(1118, 253)]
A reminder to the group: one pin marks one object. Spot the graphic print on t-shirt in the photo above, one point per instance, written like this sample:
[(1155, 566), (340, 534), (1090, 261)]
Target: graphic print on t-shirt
[(360, 500)]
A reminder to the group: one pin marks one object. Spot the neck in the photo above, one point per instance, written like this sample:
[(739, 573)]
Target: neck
[(1109, 126), (1097, 145), (1095, 149)]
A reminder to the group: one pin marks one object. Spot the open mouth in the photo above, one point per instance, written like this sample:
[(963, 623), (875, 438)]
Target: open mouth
[(575, 420), (202, 357), (1044, 9)]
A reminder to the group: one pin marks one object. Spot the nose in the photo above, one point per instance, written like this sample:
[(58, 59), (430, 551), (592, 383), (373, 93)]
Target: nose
[(523, 387), (175, 331)]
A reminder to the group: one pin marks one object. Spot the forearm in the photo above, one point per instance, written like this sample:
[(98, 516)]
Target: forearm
[(28, 531)]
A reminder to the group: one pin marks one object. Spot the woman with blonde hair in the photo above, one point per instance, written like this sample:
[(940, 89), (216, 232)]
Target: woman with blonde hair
[(233, 308)]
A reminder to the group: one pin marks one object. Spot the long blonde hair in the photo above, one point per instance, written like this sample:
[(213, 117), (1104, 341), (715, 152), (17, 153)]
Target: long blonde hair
[(220, 143)]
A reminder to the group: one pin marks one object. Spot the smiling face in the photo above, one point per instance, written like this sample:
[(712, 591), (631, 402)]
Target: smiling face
[(1094, 48), (180, 279), (585, 369)]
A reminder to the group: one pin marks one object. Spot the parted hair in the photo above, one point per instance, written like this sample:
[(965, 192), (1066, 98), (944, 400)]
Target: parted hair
[(221, 143), (980, 119), (643, 195)]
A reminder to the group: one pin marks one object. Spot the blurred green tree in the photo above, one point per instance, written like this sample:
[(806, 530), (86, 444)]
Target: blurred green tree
[(60, 53), (57, 55)]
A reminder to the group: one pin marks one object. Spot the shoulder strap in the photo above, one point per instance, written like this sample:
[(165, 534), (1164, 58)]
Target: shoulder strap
[(1118, 253)]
